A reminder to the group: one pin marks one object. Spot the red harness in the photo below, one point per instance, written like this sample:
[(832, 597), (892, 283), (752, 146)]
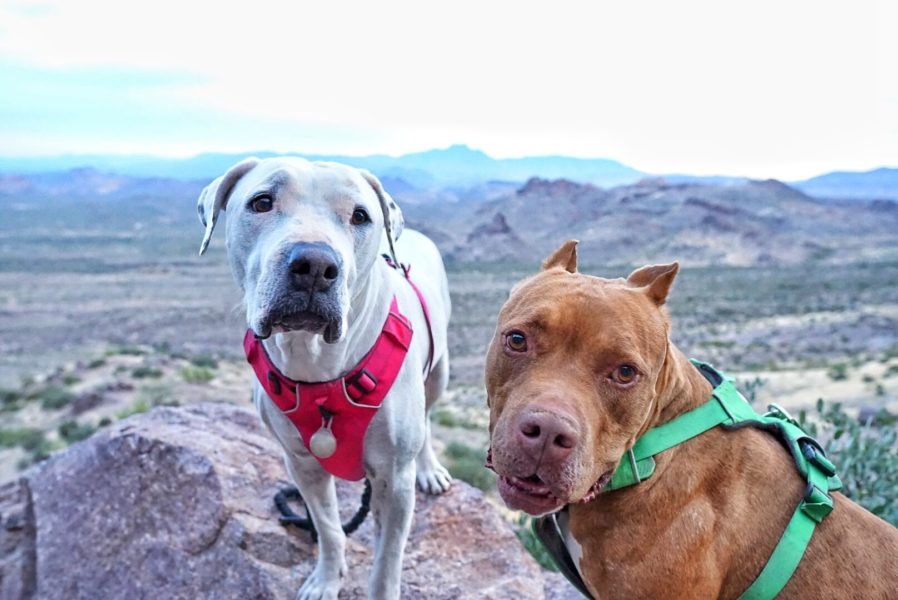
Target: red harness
[(345, 405)]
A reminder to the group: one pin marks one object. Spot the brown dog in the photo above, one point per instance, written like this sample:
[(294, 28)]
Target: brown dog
[(579, 368)]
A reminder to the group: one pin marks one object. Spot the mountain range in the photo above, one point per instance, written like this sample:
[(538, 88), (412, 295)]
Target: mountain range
[(751, 223), (738, 223), (454, 167)]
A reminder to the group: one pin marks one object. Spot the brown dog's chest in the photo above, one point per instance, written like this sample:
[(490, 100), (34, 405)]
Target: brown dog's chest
[(699, 528)]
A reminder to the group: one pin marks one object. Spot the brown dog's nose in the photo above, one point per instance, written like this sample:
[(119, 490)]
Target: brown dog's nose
[(548, 437)]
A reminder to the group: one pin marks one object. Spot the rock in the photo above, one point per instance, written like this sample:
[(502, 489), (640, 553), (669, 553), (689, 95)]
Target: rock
[(556, 587), (17, 558), (177, 503)]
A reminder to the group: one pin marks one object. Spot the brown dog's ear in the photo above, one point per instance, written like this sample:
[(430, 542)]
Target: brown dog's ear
[(214, 197), (657, 280), (565, 257)]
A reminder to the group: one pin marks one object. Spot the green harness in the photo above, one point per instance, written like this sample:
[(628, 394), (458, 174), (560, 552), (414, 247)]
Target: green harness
[(727, 408)]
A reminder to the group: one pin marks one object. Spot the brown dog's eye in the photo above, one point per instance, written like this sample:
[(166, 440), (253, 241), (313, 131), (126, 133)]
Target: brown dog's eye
[(359, 216), (261, 204), (516, 341), (624, 374)]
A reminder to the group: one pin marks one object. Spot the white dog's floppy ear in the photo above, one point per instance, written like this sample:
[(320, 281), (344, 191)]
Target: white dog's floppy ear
[(214, 197), (393, 221)]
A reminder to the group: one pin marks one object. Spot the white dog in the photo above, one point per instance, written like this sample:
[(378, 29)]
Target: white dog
[(304, 242)]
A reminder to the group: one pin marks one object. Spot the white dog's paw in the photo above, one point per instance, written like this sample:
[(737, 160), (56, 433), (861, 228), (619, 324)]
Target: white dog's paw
[(433, 478), (321, 585)]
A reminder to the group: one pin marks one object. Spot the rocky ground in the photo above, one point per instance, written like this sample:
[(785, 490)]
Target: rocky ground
[(177, 503)]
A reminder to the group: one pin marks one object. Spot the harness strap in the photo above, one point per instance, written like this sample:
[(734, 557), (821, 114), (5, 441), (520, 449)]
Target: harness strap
[(343, 406), (727, 408), (406, 269), (548, 532), (790, 549)]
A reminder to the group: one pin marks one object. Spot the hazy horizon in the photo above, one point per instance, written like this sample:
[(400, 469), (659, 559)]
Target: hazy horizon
[(766, 90)]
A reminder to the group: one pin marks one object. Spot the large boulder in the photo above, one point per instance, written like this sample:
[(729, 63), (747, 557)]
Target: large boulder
[(177, 503)]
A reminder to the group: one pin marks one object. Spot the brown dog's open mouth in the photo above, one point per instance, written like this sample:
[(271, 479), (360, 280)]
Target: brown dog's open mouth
[(597, 487), (530, 495), (534, 496)]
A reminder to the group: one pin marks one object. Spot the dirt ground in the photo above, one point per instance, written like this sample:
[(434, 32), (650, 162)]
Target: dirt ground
[(104, 316)]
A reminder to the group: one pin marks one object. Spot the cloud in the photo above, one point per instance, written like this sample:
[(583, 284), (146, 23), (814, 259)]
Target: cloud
[(769, 88)]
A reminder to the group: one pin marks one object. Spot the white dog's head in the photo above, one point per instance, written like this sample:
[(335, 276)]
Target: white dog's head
[(301, 236)]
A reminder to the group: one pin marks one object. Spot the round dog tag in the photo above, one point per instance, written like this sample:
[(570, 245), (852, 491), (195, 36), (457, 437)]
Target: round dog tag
[(323, 443)]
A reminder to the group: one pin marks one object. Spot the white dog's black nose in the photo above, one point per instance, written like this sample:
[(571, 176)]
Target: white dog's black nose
[(313, 266)]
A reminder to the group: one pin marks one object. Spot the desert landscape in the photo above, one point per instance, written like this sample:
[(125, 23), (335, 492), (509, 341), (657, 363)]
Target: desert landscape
[(106, 310)]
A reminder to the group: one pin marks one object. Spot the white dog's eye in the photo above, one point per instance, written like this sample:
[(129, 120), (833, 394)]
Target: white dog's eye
[(359, 216), (261, 204)]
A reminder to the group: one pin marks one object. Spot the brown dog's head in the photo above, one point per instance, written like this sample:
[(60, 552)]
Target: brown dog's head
[(571, 378)]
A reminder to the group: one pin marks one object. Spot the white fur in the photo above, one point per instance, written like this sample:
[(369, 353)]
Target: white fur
[(397, 443), (573, 546)]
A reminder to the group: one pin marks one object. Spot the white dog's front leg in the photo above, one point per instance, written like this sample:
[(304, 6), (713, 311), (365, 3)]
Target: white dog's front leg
[(320, 495), (393, 502)]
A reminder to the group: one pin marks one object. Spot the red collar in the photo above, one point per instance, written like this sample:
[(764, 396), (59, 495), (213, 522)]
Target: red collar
[(344, 406)]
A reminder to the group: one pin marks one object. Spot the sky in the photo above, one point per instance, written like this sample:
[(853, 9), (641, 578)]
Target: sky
[(786, 89)]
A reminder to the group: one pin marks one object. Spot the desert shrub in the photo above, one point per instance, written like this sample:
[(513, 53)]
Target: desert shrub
[(750, 388), (197, 374), (54, 397), (104, 422), (96, 363), (10, 400), (140, 405), (838, 372), (531, 543), (466, 463), (157, 394), (146, 372), (890, 354), (126, 351), (205, 361), (445, 418), (70, 379), (865, 455), (72, 431), (25, 437)]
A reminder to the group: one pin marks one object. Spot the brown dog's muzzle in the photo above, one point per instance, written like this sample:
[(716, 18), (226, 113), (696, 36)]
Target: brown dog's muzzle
[(537, 453), (547, 437)]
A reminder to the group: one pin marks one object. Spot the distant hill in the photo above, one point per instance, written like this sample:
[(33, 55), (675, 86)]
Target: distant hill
[(79, 183), (745, 224), (853, 185), (741, 223), (456, 165)]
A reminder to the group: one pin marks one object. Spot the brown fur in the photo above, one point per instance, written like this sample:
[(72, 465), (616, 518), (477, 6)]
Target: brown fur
[(705, 524)]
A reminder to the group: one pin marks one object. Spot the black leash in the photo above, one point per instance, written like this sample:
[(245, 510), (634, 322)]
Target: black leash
[(288, 517)]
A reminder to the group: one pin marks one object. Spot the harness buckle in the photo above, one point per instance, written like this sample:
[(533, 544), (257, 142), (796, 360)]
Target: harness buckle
[(814, 455), (778, 412), (360, 384), (817, 503)]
